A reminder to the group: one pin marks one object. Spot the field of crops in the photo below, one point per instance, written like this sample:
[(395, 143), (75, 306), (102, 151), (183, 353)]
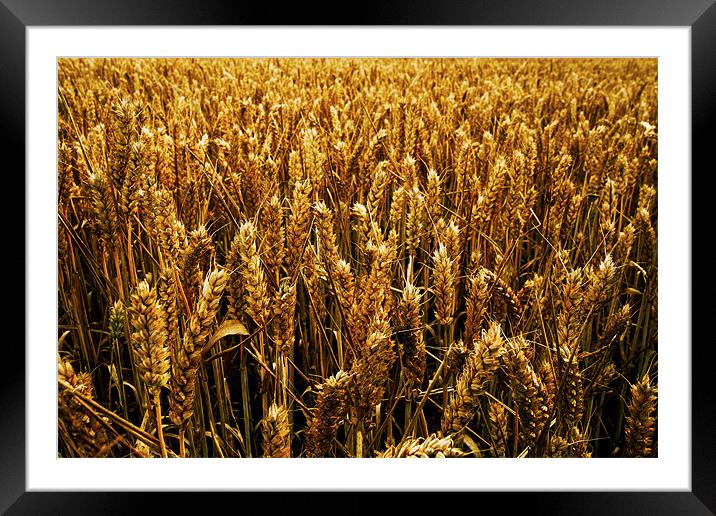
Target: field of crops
[(357, 258)]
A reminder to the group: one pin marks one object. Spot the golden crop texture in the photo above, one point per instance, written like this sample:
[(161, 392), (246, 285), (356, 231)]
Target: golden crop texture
[(357, 257)]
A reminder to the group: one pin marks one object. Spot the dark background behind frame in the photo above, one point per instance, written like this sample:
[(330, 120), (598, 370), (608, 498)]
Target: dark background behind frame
[(700, 15)]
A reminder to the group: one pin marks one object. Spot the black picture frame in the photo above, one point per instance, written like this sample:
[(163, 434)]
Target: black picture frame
[(699, 15)]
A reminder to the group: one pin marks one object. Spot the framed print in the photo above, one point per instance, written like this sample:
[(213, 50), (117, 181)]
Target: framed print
[(282, 258)]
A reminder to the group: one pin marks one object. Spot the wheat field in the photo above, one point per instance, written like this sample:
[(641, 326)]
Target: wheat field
[(357, 257)]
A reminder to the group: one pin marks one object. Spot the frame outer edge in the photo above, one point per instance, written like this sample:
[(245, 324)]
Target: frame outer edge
[(371, 12), (703, 99), (12, 102), (12, 142)]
